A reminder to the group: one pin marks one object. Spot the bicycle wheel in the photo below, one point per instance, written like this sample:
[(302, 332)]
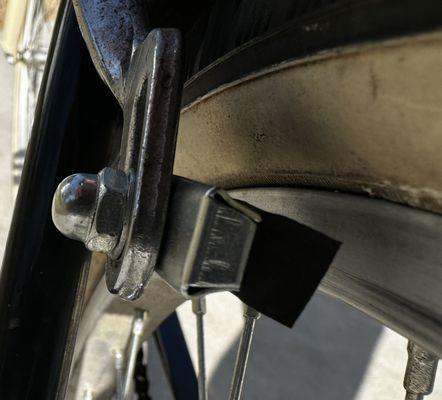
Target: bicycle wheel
[(314, 95), (230, 136), (28, 29)]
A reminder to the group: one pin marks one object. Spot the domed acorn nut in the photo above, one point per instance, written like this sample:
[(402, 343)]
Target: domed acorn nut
[(92, 208)]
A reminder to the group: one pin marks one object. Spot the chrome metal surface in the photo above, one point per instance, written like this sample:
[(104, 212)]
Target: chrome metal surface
[(199, 309), (390, 263), (153, 87), (119, 374), (73, 206), (113, 30), (92, 208), (242, 356), (129, 228), (420, 372), (207, 239), (31, 26), (111, 211), (34, 58)]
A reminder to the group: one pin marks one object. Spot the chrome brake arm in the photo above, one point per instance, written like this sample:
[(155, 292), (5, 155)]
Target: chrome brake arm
[(151, 110), (112, 30), (122, 212)]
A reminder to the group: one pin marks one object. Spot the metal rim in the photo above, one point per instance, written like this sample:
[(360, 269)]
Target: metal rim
[(387, 231)]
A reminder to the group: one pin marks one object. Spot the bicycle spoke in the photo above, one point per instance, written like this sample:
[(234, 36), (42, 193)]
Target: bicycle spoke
[(242, 356), (134, 346), (87, 395), (420, 372), (199, 309), (119, 373)]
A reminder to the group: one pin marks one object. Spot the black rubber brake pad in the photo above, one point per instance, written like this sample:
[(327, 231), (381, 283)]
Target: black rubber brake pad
[(287, 262)]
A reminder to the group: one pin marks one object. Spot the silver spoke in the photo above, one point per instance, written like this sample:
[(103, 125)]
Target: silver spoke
[(135, 341), (420, 372), (199, 309), (87, 395), (119, 373), (242, 356)]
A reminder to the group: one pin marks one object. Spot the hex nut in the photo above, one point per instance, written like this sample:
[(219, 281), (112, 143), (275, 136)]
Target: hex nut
[(110, 213)]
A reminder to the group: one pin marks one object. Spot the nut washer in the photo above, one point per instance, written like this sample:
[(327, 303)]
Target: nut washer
[(110, 213)]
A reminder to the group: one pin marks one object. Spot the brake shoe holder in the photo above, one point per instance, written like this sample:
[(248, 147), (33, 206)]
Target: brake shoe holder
[(151, 110), (214, 243), (207, 239), (195, 236)]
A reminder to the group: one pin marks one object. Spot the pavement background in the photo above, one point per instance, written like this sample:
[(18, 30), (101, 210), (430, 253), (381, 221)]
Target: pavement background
[(333, 353)]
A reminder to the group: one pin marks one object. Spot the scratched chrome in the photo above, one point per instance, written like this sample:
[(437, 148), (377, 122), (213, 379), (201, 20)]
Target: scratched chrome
[(113, 30), (151, 110), (143, 70)]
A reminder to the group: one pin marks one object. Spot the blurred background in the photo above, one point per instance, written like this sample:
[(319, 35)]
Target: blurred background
[(333, 353)]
